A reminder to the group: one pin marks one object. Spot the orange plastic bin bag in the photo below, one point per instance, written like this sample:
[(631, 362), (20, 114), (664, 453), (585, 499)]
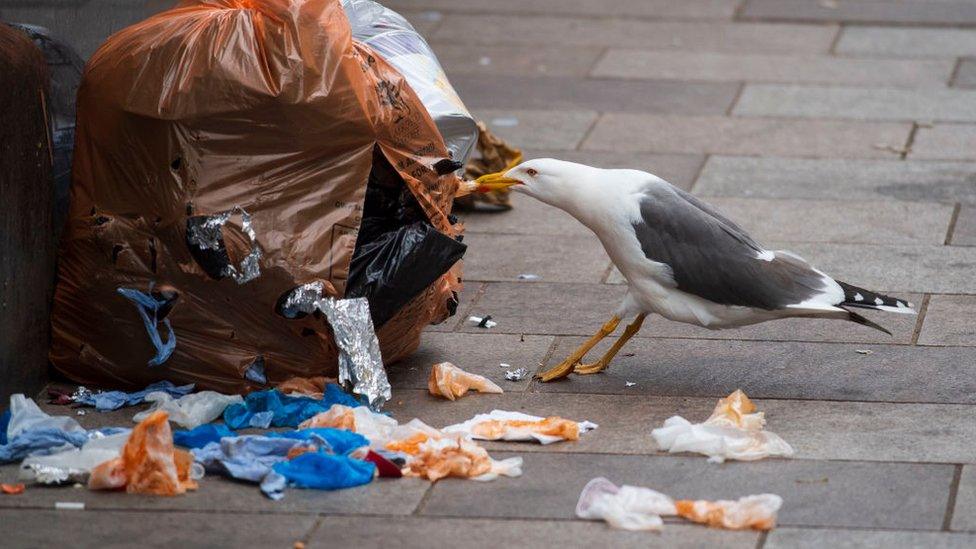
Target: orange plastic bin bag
[(222, 157)]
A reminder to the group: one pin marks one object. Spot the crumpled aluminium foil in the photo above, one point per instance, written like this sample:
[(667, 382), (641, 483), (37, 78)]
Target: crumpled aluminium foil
[(302, 300), (209, 235), (360, 362)]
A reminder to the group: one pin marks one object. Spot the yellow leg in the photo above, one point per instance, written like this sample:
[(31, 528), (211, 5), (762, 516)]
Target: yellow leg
[(565, 367), (604, 361)]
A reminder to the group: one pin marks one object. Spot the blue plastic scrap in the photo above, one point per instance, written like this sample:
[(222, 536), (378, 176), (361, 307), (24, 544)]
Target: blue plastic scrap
[(202, 435), (254, 458), (106, 401), (148, 307), (286, 410), (255, 372), (325, 471)]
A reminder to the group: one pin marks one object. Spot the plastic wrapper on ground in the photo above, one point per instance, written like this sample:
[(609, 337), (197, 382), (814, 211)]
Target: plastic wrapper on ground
[(74, 465), (503, 425), (149, 463), (228, 153), (638, 508), (448, 381), (189, 411), (454, 456), (734, 431)]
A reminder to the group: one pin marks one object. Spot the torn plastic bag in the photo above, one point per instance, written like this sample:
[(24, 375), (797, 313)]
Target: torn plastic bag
[(73, 465), (221, 107), (449, 381), (393, 37), (189, 411), (203, 435)]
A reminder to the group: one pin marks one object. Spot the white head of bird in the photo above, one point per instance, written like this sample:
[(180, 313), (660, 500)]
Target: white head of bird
[(555, 182)]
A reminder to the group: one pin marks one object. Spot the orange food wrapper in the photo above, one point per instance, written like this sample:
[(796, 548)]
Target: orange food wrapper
[(308, 386), (451, 382), (456, 457), (505, 425), (751, 512), (12, 489), (149, 463)]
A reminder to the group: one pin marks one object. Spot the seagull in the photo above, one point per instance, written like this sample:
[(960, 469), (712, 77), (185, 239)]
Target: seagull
[(682, 259)]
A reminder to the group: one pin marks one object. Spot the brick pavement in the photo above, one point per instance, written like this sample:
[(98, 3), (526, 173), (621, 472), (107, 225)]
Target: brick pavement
[(842, 129)]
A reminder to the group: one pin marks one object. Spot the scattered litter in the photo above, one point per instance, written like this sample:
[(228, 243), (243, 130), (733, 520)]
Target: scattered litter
[(69, 505), (864, 351), (733, 431), (483, 322), (629, 384), (192, 410), (637, 508), (517, 374), (113, 400), (505, 122), (80, 412), (438, 458), (503, 425), (282, 410), (449, 381), (149, 463), (324, 471), (73, 465), (12, 489), (822, 480), (59, 397), (527, 276), (504, 365), (375, 427), (308, 386)]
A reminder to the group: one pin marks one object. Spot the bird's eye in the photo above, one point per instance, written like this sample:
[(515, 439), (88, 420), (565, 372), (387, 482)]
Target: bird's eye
[(531, 172)]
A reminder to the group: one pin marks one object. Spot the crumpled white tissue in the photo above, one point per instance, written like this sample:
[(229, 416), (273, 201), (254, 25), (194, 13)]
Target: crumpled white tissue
[(734, 431)]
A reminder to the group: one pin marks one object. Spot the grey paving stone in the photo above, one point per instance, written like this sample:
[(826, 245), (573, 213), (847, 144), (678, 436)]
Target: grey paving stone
[(896, 269), (382, 496), (965, 74), (687, 9), (838, 179), (747, 136), (555, 93), (425, 532), (964, 514), (964, 233), (538, 128), (565, 258), (949, 320), (476, 353), (857, 493), (945, 142), (791, 69), (857, 539), (816, 429), (795, 329), (501, 59), (36, 528), (861, 11), (790, 370), (857, 103), (678, 169), (905, 42), (866, 222), (546, 308), (632, 33)]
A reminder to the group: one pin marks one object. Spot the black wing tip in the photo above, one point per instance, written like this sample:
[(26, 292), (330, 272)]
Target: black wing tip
[(866, 299)]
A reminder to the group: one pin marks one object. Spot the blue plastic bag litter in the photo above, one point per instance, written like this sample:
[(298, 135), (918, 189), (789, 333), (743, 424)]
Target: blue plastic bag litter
[(4, 421), (148, 307), (325, 471), (286, 410), (113, 400), (202, 435), (338, 441)]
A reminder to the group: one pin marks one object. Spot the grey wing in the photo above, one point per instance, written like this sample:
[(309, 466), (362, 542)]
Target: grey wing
[(715, 259)]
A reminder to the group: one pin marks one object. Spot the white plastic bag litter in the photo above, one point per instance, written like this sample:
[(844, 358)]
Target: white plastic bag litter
[(734, 431), (25, 414), (72, 465), (637, 508), (189, 411), (516, 426), (377, 428), (624, 507)]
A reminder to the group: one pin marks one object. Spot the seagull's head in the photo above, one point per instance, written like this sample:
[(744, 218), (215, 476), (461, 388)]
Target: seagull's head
[(552, 181)]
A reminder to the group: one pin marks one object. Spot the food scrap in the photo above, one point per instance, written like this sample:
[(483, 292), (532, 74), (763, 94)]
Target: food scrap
[(451, 382), (516, 426)]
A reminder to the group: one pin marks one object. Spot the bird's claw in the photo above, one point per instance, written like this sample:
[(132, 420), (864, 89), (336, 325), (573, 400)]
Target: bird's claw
[(593, 368), (558, 371)]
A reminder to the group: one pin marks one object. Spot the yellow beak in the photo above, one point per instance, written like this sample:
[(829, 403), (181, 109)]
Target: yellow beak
[(494, 182)]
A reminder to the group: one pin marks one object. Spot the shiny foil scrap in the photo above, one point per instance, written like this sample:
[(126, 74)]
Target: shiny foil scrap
[(360, 362)]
